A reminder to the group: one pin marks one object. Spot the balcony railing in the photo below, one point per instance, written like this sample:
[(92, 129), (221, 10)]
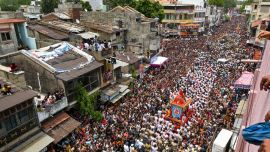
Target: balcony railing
[(52, 109)]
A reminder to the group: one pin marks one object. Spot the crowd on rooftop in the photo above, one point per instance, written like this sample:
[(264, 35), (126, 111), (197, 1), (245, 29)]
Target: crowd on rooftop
[(138, 123), (95, 44)]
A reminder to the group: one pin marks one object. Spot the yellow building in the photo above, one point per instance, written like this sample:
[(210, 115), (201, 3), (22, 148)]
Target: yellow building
[(176, 14)]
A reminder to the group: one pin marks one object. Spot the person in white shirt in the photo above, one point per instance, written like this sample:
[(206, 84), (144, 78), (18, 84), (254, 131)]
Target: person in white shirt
[(126, 148), (86, 46)]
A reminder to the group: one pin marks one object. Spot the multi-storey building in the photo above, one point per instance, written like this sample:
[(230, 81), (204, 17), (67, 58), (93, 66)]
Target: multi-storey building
[(127, 28), (19, 124), (200, 12)]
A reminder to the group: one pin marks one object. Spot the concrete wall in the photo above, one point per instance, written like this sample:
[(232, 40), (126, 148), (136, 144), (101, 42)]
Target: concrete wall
[(7, 14), (8, 46), (48, 81), (15, 78), (138, 32)]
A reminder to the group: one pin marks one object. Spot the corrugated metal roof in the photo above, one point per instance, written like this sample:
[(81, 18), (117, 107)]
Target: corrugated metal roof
[(60, 126), (48, 32), (66, 76), (15, 99)]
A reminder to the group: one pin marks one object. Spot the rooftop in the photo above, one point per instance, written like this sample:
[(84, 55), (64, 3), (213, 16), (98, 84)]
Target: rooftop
[(48, 32), (127, 57), (107, 28), (16, 95), (11, 20), (66, 26), (63, 59), (64, 16)]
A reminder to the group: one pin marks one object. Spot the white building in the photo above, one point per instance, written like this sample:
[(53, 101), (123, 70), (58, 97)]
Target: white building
[(248, 9), (97, 5), (200, 12)]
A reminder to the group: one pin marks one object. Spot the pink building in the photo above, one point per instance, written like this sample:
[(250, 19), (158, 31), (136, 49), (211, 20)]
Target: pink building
[(258, 102)]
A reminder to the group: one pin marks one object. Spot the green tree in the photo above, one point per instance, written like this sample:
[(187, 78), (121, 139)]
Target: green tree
[(13, 5), (219, 3), (87, 103), (150, 9), (86, 6), (114, 3), (147, 7), (133, 72), (48, 6), (229, 4), (247, 2)]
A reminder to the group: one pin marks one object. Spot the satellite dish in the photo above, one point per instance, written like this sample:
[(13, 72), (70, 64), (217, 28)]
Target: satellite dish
[(77, 21)]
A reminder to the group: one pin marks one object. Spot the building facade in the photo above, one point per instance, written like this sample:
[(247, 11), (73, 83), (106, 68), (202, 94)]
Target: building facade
[(139, 33), (14, 34)]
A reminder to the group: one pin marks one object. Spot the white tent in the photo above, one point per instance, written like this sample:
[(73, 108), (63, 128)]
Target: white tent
[(222, 60), (158, 60)]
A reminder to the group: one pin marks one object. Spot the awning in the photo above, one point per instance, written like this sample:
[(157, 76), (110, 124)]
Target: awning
[(60, 126), (39, 142), (245, 81), (114, 100), (88, 35), (119, 64)]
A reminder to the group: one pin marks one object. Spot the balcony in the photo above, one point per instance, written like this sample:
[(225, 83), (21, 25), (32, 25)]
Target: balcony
[(52, 109)]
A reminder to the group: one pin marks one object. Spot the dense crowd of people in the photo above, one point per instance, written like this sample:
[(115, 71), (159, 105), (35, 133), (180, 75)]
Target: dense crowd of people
[(138, 122)]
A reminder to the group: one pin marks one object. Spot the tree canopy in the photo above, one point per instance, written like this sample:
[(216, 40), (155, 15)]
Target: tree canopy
[(150, 9), (219, 3), (88, 103), (229, 4), (48, 6), (246, 2), (86, 5), (147, 7), (13, 5)]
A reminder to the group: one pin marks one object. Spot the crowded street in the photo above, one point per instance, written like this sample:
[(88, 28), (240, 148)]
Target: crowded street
[(138, 122)]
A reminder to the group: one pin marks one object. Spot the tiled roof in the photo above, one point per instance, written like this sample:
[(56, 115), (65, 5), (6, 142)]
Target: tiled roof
[(11, 20)]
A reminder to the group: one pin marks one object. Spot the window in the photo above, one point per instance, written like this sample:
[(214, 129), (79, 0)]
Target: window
[(5, 36), (255, 7), (70, 86), (10, 122), (94, 81), (84, 80), (23, 115), (31, 112)]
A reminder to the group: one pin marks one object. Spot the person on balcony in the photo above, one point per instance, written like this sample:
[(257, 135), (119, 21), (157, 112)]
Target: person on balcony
[(265, 85)]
